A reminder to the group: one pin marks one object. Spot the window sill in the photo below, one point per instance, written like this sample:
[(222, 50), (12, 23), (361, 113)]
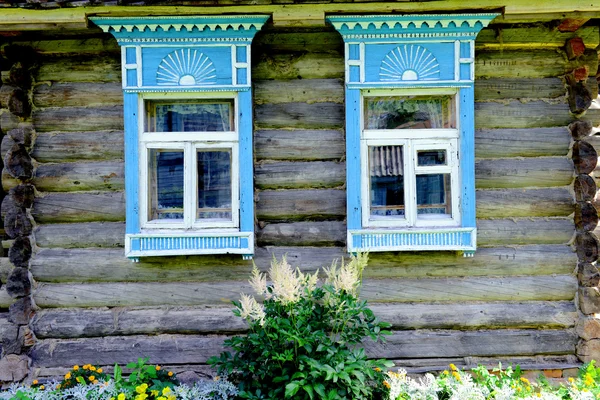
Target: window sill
[(191, 243), (411, 239)]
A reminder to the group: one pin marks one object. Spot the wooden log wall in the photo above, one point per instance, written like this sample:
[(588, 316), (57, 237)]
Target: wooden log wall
[(515, 300)]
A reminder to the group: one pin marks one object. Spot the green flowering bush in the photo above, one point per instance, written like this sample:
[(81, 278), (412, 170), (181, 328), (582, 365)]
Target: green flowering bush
[(304, 341)]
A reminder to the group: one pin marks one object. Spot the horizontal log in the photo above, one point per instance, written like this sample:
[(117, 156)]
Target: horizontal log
[(68, 177), (300, 175), (495, 232), (91, 234), (272, 205), (77, 119), (296, 145), (528, 64), (81, 45), (110, 265), (532, 37), (300, 115), (78, 323), (181, 349), (278, 41), (504, 203), (525, 88), (299, 91), (77, 94), (409, 344), (78, 146), (534, 114), (298, 66), (520, 288), (526, 172), (5, 299), (91, 68), (532, 142), (79, 207)]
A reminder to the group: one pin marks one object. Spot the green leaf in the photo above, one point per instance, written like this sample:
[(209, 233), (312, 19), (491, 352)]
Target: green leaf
[(308, 389), (291, 389), (320, 389)]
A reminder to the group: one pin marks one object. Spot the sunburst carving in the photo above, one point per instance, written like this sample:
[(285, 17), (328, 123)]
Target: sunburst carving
[(186, 67), (409, 63)]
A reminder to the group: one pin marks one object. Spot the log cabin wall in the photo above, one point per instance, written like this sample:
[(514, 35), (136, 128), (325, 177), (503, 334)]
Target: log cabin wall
[(514, 301)]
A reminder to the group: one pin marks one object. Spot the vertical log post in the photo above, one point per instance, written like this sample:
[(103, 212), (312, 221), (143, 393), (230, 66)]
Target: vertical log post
[(16, 338)]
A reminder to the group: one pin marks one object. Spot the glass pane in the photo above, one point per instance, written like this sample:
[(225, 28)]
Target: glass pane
[(214, 184), (165, 184), (410, 112), (431, 157), (189, 116), (433, 196), (386, 171)]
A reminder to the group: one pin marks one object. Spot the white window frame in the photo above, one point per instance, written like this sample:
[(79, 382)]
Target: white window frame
[(412, 141), (189, 143)]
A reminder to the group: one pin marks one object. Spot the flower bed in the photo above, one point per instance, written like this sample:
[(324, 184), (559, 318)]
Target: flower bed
[(304, 342)]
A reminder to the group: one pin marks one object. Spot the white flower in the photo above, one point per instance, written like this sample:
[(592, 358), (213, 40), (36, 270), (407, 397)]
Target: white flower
[(259, 282), (250, 310), (287, 283), (348, 276)]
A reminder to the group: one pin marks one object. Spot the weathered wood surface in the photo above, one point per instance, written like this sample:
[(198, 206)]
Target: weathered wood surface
[(77, 323), (520, 288), (183, 349), (88, 44), (299, 91), (492, 232), (296, 145), (323, 40), (531, 37), (78, 146), (527, 64), (299, 115), (110, 265), (77, 119), (298, 66), (77, 94), (480, 343), (76, 207), (299, 175), (532, 142), (91, 68), (301, 204), (526, 172), (68, 177), (91, 234), (525, 88), (504, 203), (535, 114)]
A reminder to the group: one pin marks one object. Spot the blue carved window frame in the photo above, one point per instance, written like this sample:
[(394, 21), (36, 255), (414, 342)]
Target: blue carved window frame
[(406, 40), (224, 41)]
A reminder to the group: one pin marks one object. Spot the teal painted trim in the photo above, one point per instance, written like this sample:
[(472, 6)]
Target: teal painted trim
[(467, 156), (412, 239), (130, 111), (409, 85), (246, 162), (353, 159), (175, 89)]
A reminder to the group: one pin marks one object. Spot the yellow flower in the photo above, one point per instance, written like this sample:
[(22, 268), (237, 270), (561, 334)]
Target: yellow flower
[(99, 370), (141, 396), (456, 375), (92, 378), (525, 380), (166, 391), (377, 369), (588, 380), (42, 387), (154, 393), (68, 375), (386, 384), (35, 382), (172, 397), (121, 396), (92, 368), (58, 386), (571, 380), (158, 367), (446, 372), (453, 367), (86, 366), (142, 388), (170, 373), (216, 378), (161, 398), (76, 367)]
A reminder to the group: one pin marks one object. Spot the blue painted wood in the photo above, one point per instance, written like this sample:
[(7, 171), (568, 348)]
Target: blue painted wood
[(467, 155), (353, 161), (410, 51), (188, 54), (130, 111)]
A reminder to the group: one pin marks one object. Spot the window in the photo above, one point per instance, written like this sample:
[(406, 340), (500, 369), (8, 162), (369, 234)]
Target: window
[(188, 133), (410, 131)]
